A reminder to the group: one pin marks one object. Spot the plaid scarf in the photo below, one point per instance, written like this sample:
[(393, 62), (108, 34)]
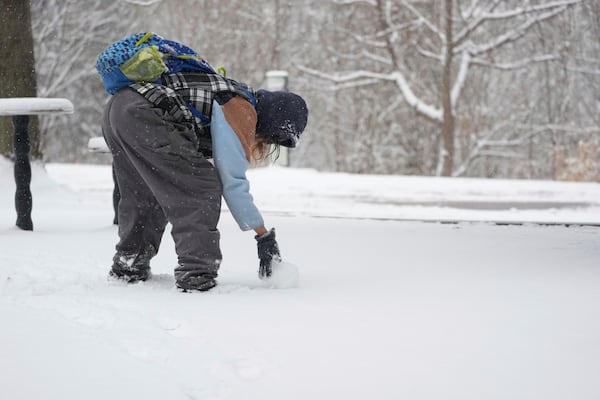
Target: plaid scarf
[(188, 96)]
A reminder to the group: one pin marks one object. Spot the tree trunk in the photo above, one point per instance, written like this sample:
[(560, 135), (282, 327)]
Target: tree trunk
[(448, 121), (17, 68)]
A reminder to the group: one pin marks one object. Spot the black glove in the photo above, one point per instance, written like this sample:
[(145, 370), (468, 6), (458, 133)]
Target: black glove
[(268, 250)]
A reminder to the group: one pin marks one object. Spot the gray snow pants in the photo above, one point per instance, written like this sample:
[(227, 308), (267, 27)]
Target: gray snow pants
[(162, 177)]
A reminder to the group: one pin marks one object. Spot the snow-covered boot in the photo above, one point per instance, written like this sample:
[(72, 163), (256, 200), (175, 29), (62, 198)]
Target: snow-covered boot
[(132, 267), (201, 283)]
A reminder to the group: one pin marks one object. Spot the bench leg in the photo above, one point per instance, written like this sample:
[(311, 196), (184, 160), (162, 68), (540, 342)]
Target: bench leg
[(21, 147)]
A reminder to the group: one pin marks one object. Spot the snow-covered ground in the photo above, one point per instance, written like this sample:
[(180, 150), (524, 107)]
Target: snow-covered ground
[(387, 307)]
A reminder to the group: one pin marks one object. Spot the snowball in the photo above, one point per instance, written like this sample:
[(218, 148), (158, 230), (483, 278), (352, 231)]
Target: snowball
[(285, 275)]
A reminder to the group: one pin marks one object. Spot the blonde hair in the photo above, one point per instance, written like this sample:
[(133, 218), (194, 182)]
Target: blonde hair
[(262, 150)]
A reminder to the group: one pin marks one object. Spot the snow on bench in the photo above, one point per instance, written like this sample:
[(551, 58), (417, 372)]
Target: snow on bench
[(35, 106), (98, 145)]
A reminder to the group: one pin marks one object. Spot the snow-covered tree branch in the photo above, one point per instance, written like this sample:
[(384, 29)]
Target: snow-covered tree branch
[(433, 47), (142, 2)]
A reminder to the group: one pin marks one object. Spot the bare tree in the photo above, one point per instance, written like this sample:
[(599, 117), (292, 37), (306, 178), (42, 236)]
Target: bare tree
[(420, 41), (68, 37), (503, 88)]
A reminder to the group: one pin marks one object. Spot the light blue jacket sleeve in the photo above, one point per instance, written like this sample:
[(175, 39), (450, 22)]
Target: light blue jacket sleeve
[(232, 165)]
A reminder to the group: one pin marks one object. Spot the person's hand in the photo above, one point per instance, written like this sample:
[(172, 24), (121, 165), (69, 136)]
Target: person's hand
[(268, 251)]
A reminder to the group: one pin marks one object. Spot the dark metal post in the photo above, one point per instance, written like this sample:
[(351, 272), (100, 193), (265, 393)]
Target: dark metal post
[(21, 147)]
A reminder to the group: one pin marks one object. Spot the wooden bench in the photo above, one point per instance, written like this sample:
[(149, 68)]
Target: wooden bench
[(20, 108)]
